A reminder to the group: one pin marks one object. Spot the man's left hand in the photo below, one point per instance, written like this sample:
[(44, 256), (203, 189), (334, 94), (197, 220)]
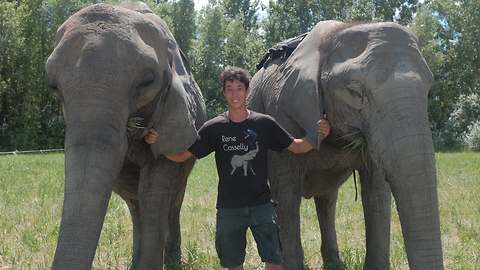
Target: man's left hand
[(324, 126)]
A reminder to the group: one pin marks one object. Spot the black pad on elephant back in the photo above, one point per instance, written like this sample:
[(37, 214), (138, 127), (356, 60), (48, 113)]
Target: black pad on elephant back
[(280, 50)]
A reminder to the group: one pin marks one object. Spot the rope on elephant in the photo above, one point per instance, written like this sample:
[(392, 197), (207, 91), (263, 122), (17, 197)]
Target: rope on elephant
[(16, 152)]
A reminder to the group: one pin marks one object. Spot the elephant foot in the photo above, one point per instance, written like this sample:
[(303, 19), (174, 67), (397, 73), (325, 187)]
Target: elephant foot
[(332, 260), (173, 261), (335, 266), (339, 265)]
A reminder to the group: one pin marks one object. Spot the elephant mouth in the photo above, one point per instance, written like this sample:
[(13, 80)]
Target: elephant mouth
[(136, 126), (356, 143)]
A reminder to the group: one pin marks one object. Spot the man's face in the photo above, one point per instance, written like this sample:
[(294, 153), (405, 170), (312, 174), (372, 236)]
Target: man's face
[(236, 94)]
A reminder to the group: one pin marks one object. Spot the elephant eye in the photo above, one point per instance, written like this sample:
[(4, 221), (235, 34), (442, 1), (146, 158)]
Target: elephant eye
[(53, 84), (148, 79), (355, 92)]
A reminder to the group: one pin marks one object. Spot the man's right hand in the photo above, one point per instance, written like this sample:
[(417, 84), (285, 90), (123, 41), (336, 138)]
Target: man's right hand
[(152, 136)]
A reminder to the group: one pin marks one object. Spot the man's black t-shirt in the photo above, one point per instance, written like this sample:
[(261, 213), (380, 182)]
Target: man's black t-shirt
[(241, 155)]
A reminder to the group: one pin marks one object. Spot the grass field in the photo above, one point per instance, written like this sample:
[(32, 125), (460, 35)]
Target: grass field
[(31, 197)]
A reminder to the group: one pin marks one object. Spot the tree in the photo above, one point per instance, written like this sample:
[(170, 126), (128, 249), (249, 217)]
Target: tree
[(31, 114), (427, 27), (287, 18), (400, 11), (246, 8), (244, 45), (225, 38), (183, 23), (243, 48), (361, 10), (452, 50), (29, 107), (208, 59)]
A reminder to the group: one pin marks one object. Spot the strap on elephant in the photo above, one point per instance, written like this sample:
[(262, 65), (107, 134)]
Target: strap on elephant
[(280, 50), (355, 182)]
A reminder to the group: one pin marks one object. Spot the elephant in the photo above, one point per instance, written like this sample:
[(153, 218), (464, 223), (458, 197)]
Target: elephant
[(372, 82), (119, 72)]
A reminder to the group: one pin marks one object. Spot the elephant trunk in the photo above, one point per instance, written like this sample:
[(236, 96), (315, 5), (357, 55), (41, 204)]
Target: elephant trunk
[(94, 152), (403, 146)]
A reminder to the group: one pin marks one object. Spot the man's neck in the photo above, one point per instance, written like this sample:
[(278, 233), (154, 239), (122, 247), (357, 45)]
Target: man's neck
[(238, 115)]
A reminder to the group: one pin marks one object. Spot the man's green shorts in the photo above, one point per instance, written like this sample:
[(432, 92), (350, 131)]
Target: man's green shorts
[(230, 237)]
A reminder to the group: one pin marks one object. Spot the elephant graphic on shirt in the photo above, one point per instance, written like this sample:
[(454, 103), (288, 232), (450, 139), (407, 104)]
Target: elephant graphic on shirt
[(244, 160)]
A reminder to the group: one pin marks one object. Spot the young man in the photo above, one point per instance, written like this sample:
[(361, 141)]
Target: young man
[(240, 139)]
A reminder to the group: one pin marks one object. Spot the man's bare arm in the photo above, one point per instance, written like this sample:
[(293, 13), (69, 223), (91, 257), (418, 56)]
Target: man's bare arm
[(180, 157), (300, 146), (152, 138)]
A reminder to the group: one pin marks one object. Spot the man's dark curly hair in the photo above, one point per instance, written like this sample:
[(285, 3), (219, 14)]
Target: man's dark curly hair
[(235, 73)]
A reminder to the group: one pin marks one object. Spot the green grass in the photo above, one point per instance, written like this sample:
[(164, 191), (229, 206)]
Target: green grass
[(31, 198)]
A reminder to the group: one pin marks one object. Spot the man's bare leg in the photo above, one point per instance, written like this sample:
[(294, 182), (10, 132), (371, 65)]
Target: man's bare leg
[(240, 267), (273, 266)]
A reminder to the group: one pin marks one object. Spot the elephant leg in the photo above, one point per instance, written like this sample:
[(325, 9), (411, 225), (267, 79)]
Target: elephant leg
[(157, 188), (134, 208), (325, 206), (376, 198), (286, 185), (127, 187), (174, 236)]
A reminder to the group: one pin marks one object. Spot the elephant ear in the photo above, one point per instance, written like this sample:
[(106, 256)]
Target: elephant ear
[(181, 108), (174, 120), (300, 95)]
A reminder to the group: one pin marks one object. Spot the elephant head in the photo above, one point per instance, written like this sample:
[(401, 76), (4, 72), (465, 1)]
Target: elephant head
[(113, 65), (372, 82)]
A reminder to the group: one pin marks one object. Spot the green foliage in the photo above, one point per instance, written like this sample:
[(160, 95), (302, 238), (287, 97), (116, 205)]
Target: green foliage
[(466, 111), (287, 19), (208, 59), (400, 11), (242, 48), (227, 36), (245, 8), (448, 34), (228, 32), (360, 142), (464, 121), (183, 24), (362, 10), (472, 137), (28, 108)]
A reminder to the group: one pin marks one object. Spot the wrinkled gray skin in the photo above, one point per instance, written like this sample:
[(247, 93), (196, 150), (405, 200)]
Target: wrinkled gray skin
[(370, 78), (111, 64)]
